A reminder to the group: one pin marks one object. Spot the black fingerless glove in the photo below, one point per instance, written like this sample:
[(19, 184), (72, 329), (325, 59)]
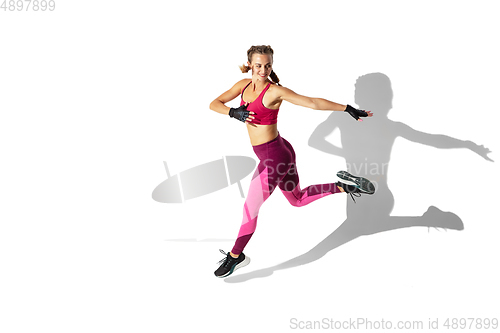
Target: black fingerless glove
[(240, 113), (355, 113)]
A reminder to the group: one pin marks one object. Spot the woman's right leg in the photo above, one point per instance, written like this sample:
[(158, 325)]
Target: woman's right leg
[(258, 192), (261, 187), (266, 178)]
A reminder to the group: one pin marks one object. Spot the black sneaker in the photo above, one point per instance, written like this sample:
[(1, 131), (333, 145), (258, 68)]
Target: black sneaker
[(230, 264), (355, 186)]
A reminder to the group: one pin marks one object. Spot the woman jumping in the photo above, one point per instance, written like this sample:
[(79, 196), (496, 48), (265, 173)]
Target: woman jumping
[(261, 99)]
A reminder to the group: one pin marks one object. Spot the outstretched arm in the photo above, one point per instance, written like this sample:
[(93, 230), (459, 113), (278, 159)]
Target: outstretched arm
[(441, 141), (311, 102)]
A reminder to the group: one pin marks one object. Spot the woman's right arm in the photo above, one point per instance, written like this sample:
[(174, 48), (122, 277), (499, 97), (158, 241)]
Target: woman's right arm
[(218, 104)]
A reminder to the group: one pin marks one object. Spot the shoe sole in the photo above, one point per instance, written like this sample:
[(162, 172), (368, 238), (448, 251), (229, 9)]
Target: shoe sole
[(241, 264), (365, 186)]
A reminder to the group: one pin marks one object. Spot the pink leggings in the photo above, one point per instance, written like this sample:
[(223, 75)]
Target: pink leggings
[(276, 168)]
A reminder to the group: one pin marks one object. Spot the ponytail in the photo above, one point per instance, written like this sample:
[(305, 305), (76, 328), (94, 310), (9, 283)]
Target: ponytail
[(274, 77), (244, 68)]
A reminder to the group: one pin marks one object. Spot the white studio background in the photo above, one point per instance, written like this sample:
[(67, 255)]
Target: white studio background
[(95, 95)]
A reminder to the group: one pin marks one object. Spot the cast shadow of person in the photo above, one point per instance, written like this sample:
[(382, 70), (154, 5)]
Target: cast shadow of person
[(367, 150)]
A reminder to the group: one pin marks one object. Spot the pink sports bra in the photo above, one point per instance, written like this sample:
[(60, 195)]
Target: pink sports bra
[(263, 115)]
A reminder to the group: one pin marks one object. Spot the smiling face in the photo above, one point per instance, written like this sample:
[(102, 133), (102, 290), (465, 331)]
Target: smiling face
[(262, 65)]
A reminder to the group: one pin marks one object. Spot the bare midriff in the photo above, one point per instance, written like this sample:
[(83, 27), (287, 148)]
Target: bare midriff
[(260, 134)]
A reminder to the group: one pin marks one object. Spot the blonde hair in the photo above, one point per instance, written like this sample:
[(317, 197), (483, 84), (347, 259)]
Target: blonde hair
[(260, 49)]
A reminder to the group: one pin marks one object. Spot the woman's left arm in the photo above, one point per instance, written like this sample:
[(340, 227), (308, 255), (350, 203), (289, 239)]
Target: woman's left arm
[(288, 95)]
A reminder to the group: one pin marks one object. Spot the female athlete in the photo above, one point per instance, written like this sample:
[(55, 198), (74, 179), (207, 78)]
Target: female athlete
[(261, 98)]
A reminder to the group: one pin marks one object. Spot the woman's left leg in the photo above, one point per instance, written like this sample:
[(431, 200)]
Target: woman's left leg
[(290, 186)]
